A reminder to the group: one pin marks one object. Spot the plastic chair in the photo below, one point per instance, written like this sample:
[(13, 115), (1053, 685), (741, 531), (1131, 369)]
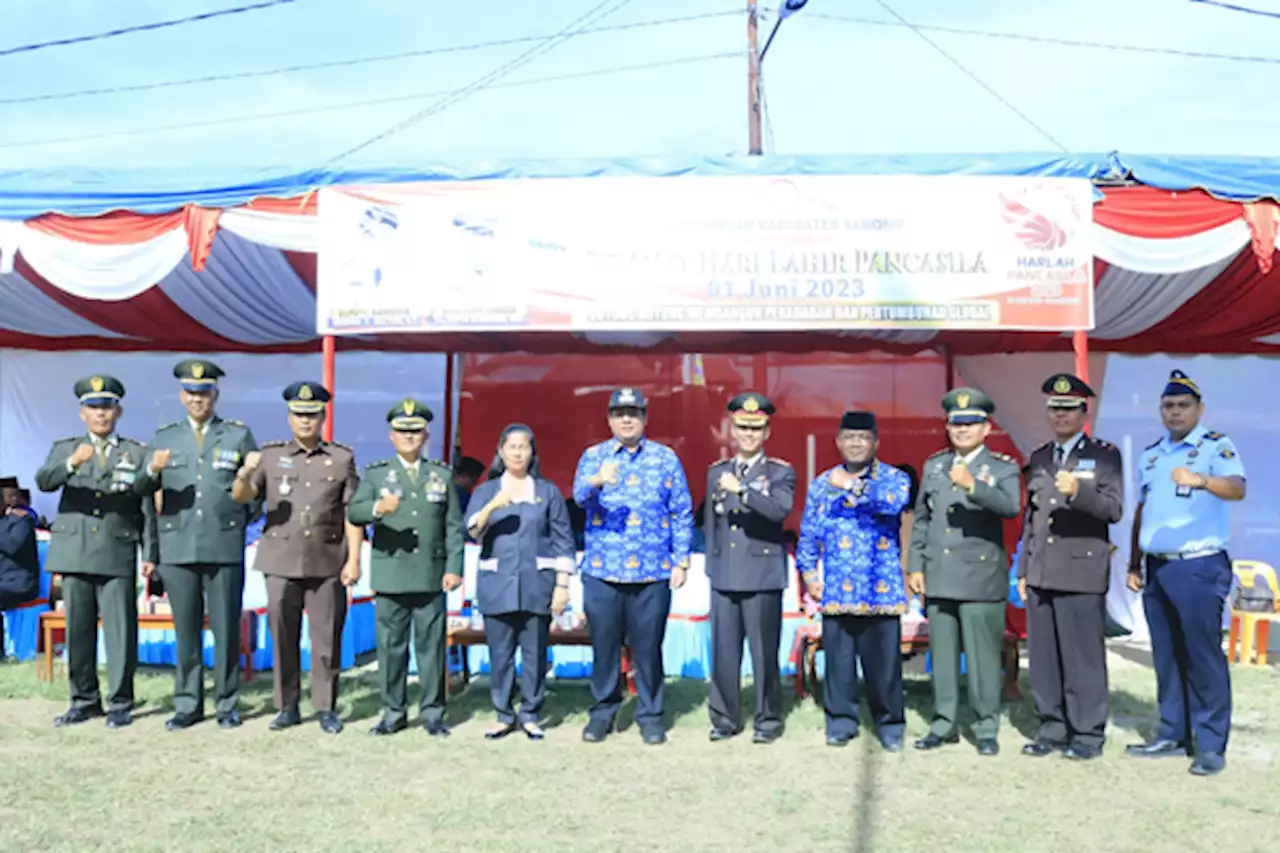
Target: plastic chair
[(1251, 632)]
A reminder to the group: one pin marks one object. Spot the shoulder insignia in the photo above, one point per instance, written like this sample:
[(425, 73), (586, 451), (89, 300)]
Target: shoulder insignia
[(775, 460), (340, 445), (1048, 445), (1153, 444), (717, 462), (381, 463), (1213, 435), (1104, 444), (170, 425), (267, 444), (1003, 457), (134, 441), (946, 451), (233, 422), (70, 438)]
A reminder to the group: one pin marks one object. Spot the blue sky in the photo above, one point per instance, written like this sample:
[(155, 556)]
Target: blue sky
[(832, 86)]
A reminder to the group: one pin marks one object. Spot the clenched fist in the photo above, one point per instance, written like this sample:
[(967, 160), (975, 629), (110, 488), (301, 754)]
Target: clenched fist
[(252, 460), (81, 455), (1066, 483), (386, 505), (160, 460), (608, 473)]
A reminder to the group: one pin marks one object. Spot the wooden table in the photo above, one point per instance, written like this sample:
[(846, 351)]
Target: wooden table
[(53, 628), (464, 638)]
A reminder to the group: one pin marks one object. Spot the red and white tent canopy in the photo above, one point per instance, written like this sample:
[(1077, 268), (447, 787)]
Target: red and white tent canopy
[(1175, 272)]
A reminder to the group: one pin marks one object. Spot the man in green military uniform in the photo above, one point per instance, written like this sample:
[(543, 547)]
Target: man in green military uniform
[(417, 559), (199, 542), (96, 535), (958, 561)]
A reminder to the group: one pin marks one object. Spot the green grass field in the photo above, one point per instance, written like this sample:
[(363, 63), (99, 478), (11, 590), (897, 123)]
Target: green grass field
[(249, 789)]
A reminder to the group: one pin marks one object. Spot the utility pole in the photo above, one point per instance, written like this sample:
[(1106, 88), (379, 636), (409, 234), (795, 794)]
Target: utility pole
[(755, 137)]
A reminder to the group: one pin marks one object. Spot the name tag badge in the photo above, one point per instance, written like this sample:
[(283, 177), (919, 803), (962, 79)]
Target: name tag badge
[(1183, 491), (1084, 475), (285, 462)]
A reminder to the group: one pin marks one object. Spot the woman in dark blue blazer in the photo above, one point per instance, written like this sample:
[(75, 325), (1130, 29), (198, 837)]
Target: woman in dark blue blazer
[(526, 560)]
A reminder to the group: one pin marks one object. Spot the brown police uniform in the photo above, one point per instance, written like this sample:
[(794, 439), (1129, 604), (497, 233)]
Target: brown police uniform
[(302, 551)]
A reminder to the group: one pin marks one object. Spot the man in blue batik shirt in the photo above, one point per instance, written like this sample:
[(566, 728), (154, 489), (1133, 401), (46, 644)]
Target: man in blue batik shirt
[(638, 534), (1181, 527), (851, 527)]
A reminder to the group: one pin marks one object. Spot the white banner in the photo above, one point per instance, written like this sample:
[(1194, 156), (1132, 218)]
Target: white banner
[(721, 253)]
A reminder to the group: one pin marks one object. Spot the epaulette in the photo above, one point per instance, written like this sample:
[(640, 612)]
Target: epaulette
[(439, 463), (1213, 435), (70, 438), (1153, 444), (267, 444), (381, 463), (124, 440), (233, 422), (1104, 444), (1048, 445), (946, 451), (717, 462), (339, 444), (1003, 457), (778, 461), (169, 426)]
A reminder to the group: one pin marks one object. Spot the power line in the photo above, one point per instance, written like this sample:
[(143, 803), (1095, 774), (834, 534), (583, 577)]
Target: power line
[(139, 28), (362, 60), (1061, 42), (595, 13), (371, 102), (975, 78), (1231, 7)]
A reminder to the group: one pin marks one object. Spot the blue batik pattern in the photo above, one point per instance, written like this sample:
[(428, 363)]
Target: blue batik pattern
[(855, 539), (642, 527)]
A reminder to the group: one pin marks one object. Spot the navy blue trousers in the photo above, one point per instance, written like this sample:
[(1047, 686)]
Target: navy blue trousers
[(876, 643), (636, 613), (1183, 600)]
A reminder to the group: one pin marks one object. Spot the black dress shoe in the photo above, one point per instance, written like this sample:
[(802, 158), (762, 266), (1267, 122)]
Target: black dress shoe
[(891, 743), (932, 741), (653, 737), (181, 721), (840, 740), (1082, 752), (1158, 749), (388, 727), (533, 731), (1208, 764), (119, 719), (988, 746), (75, 716), (499, 734), (436, 728), (716, 735), (286, 719), (765, 738), (330, 722), (229, 719), (1040, 748), (596, 731)]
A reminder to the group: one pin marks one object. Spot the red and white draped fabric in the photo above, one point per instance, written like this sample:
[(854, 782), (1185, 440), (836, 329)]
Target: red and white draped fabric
[(1174, 271)]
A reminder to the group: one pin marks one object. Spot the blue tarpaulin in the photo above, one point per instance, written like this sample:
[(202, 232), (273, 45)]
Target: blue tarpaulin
[(89, 192)]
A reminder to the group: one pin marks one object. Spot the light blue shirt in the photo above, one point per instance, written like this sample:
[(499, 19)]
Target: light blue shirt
[(1174, 523)]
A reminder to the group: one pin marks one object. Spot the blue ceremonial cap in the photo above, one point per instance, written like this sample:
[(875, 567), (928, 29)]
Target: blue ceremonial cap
[(100, 392), (627, 398), (1180, 383), (306, 398)]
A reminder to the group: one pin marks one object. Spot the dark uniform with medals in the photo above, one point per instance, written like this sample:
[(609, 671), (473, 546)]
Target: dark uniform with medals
[(96, 536), (302, 551), (747, 567), (957, 544), (1066, 563), (199, 545), (414, 547)]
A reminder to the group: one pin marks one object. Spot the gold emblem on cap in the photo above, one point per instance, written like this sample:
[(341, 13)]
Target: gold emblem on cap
[(962, 400), (1062, 386), (304, 393), (408, 407), (197, 371), (96, 384), (751, 405)]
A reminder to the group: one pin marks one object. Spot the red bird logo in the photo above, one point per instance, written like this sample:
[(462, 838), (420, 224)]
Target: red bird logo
[(1034, 230)]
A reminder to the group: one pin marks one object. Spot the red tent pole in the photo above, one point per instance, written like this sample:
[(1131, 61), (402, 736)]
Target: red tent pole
[(328, 350), (1080, 343), (448, 408)]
